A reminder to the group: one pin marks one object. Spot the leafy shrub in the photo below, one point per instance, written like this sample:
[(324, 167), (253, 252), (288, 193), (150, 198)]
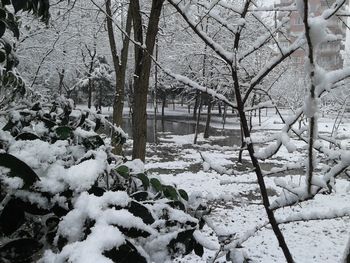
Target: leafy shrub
[(66, 198), (11, 84)]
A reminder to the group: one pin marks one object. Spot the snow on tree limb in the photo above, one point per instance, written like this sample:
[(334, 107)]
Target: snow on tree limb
[(216, 47), (187, 81)]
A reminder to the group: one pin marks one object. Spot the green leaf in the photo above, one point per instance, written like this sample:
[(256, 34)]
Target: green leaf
[(2, 28), (2, 56), (5, 2), (82, 120), (133, 232), (18, 169), (31, 208), (177, 205), (59, 211), (19, 5), (48, 123), (141, 211), (140, 196), (123, 171), (170, 192), (144, 179), (156, 184), (27, 136), (12, 25), (198, 249), (93, 142), (98, 124), (12, 217), (125, 253), (2, 13), (97, 191), (185, 238), (64, 132), (183, 194), (52, 222), (20, 250)]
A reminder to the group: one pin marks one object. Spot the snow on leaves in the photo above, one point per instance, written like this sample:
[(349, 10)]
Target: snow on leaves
[(78, 201)]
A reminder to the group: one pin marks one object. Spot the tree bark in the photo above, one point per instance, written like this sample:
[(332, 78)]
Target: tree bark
[(198, 118), (91, 83), (163, 105), (119, 67), (61, 77), (207, 124), (196, 103), (142, 73)]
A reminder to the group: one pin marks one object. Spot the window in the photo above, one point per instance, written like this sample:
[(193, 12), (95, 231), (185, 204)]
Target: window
[(298, 21)]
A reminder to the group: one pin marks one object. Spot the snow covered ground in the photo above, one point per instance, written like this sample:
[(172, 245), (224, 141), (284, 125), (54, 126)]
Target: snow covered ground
[(210, 173), (234, 197)]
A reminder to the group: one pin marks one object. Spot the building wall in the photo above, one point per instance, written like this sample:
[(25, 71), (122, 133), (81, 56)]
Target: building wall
[(329, 54)]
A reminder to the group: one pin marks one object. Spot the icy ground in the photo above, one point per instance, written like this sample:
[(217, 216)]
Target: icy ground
[(210, 173)]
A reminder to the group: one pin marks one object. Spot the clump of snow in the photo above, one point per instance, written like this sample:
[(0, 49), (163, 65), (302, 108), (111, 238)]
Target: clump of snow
[(78, 177), (136, 166), (204, 241), (102, 238), (310, 107), (82, 176), (83, 133), (33, 198), (286, 141), (345, 157), (37, 153), (318, 29), (10, 182)]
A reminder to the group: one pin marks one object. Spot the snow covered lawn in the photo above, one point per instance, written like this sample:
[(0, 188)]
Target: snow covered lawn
[(211, 175)]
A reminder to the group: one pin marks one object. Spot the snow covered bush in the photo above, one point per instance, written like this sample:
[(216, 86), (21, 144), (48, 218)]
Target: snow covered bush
[(102, 82), (66, 198), (11, 83)]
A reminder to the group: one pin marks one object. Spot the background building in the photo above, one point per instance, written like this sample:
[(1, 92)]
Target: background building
[(329, 55)]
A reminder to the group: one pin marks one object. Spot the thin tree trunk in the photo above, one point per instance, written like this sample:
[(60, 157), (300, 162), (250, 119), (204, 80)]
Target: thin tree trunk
[(60, 84), (198, 119), (163, 105), (92, 54), (207, 124), (243, 145), (90, 84), (155, 95), (119, 67), (196, 103), (224, 117), (247, 138)]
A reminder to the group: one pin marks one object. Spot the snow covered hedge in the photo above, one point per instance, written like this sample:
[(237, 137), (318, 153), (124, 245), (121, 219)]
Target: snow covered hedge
[(66, 198)]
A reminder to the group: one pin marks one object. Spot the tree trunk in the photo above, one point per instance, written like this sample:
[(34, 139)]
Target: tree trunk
[(163, 105), (119, 67), (196, 103), (142, 73), (155, 96), (60, 84), (198, 119), (207, 124), (92, 54), (224, 117)]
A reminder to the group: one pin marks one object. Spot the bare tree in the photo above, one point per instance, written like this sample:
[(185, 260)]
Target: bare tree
[(248, 84)]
